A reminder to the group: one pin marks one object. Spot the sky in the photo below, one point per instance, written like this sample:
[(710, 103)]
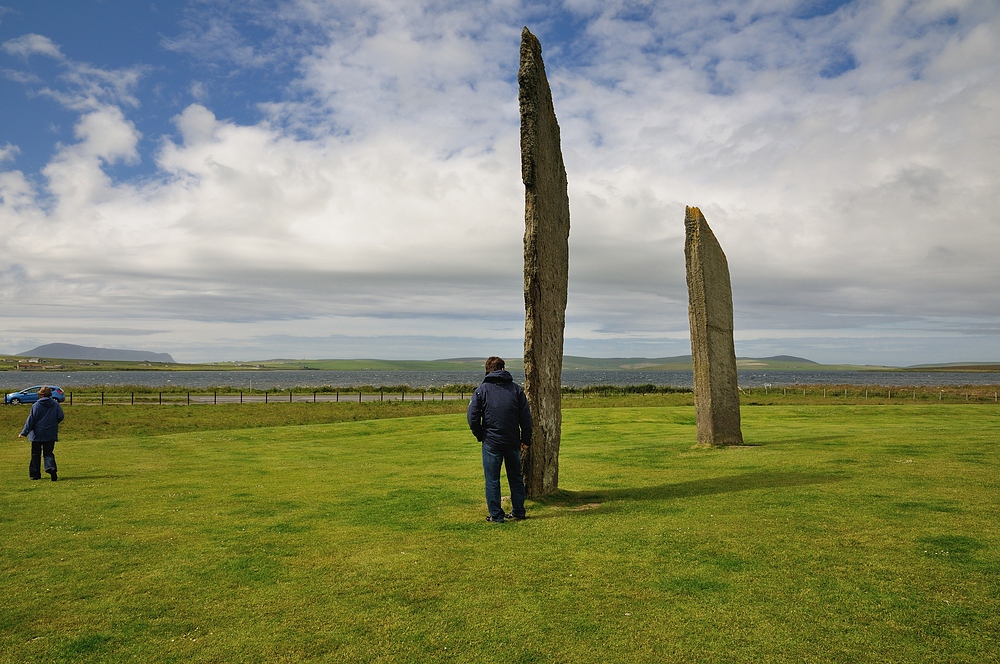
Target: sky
[(238, 180)]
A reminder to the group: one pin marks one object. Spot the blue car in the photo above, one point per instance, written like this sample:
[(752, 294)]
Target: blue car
[(30, 395)]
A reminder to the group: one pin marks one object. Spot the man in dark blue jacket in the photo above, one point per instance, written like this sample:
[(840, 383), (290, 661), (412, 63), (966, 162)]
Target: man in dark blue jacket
[(501, 420), (42, 429)]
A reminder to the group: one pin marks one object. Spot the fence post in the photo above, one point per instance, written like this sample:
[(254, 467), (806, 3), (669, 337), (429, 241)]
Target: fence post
[(71, 398), (338, 396), (215, 397), (241, 396), (189, 399), (421, 396), (133, 398), (161, 398), (359, 396), (314, 396), (402, 396), (380, 394), (102, 398), (289, 396), (265, 396)]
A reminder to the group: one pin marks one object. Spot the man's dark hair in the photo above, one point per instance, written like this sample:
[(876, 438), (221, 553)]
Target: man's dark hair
[(494, 363), (47, 391)]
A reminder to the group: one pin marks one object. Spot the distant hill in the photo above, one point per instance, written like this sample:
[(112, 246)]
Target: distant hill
[(74, 352), (786, 358)]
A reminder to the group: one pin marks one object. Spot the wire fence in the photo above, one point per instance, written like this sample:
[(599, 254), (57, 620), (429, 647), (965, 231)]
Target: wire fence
[(216, 397), (861, 394), (762, 395)]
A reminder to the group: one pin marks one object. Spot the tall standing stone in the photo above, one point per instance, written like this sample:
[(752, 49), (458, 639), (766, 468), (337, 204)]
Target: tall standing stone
[(546, 267), (713, 355)]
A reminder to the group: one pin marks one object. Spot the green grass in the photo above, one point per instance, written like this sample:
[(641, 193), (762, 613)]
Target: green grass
[(847, 533), (122, 421)]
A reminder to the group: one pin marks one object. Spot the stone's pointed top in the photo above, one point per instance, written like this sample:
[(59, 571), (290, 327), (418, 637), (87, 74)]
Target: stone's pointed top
[(696, 228), (538, 117), (692, 217), (531, 49)]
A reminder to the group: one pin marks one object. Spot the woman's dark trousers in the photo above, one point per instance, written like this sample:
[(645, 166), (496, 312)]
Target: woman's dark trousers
[(42, 449)]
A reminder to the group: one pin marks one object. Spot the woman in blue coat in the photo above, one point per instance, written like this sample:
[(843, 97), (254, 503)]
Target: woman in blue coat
[(42, 429)]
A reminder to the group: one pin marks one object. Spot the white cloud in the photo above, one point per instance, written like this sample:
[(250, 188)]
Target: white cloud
[(16, 194), (8, 152), (76, 174), (33, 44), (82, 87), (842, 181), (90, 87), (199, 91), (845, 160)]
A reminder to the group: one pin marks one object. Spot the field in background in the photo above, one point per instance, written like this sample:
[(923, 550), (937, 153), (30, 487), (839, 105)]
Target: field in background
[(303, 532), (574, 397)]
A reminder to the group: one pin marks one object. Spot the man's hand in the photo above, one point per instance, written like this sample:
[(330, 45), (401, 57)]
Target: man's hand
[(21, 435)]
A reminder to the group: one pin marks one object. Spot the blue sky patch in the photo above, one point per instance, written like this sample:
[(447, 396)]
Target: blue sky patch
[(841, 62)]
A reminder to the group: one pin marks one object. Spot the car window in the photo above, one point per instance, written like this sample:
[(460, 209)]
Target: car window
[(31, 390)]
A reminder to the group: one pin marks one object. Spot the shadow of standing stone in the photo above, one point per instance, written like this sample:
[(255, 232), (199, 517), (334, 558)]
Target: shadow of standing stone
[(546, 267), (713, 355)]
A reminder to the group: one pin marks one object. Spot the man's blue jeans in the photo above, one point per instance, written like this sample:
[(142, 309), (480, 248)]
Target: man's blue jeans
[(493, 458)]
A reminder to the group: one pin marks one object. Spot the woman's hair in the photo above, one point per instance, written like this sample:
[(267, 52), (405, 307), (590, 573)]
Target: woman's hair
[(45, 391), (494, 363)]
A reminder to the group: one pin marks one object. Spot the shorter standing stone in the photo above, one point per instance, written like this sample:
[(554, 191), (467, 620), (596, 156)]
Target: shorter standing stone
[(713, 354)]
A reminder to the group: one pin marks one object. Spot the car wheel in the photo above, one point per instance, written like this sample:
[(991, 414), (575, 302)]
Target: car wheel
[(15, 402)]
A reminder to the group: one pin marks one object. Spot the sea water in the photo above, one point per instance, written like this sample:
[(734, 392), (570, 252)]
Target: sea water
[(282, 379)]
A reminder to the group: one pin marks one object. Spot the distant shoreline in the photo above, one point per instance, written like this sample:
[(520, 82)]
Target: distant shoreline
[(14, 364)]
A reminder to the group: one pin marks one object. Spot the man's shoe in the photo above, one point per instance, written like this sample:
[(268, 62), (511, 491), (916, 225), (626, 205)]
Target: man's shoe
[(498, 519), (36, 478), (53, 474), (514, 517)]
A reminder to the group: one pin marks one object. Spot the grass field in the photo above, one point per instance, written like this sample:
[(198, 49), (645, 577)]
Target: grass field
[(845, 533)]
